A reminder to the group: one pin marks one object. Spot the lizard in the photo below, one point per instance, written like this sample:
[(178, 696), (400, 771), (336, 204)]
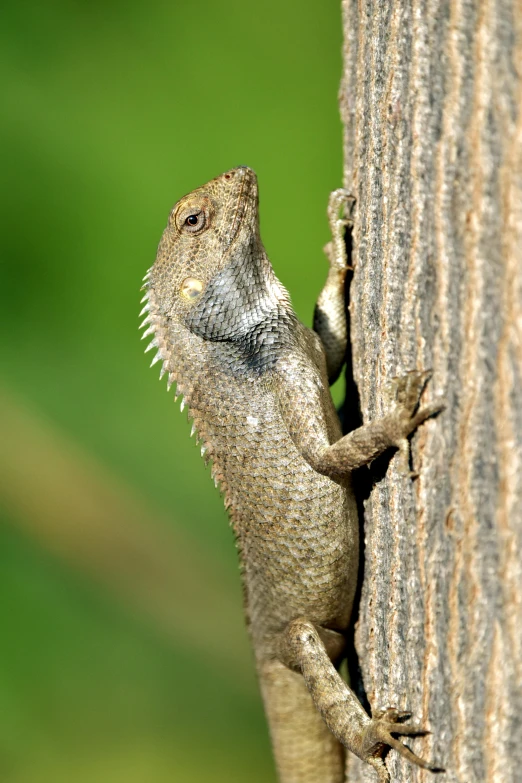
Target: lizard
[(256, 383)]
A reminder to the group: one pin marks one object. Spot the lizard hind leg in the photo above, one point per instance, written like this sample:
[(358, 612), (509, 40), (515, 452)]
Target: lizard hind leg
[(302, 649)]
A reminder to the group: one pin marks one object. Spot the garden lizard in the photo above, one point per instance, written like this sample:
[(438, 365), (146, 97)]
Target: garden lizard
[(256, 383)]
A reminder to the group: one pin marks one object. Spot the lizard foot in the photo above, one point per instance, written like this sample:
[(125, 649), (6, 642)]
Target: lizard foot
[(408, 415), (378, 736), (340, 199)]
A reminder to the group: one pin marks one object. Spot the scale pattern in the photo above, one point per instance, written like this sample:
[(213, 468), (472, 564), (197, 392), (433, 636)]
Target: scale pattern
[(256, 383), (296, 529)]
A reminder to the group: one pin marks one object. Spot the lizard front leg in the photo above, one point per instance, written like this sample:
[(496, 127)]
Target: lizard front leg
[(330, 310), (302, 648), (308, 414), (330, 324), (364, 444)]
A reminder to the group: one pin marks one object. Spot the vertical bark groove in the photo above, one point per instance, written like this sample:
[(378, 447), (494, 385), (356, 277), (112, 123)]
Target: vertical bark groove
[(431, 102)]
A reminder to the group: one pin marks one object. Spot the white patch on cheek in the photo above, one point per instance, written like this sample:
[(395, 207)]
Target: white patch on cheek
[(191, 288), (252, 421)]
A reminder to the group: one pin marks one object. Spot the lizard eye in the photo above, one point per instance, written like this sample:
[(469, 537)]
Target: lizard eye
[(193, 222), (193, 216)]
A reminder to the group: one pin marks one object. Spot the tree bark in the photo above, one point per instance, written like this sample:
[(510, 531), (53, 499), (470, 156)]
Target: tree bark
[(431, 102)]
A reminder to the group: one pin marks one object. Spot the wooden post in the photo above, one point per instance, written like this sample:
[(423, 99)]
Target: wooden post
[(431, 101)]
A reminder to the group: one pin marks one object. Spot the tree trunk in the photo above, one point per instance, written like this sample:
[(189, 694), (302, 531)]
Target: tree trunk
[(431, 102)]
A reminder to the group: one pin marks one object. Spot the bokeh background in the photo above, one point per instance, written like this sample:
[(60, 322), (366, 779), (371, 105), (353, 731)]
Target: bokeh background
[(123, 655)]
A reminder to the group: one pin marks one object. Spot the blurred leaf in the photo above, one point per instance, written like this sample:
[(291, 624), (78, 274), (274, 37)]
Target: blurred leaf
[(111, 111), (77, 510)]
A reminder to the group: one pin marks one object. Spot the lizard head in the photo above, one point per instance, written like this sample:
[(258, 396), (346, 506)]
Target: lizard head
[(211, 272), (205, 227)]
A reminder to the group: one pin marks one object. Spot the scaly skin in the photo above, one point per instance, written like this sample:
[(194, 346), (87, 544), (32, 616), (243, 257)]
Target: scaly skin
[(256, 382)]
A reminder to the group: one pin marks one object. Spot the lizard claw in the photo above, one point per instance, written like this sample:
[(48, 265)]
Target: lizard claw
[(379, 735), (391, 714), (410, 386), (340, 199), (408, 390)]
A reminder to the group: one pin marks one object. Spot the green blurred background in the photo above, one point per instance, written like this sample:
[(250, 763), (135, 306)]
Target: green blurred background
[(123, 655)]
